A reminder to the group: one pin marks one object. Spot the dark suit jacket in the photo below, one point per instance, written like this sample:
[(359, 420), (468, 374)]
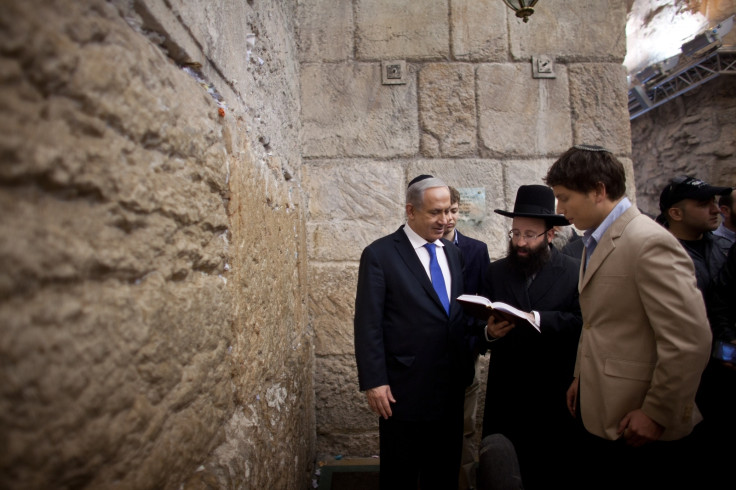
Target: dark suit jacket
[(529, 372), (403, 336), (477, 260)]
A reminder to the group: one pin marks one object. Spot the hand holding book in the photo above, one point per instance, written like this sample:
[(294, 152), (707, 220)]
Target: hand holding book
[(482, 308)]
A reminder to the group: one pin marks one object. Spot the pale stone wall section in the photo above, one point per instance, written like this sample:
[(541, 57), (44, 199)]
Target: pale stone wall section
[(571, 31), (325, 30), (599, 98), (520, 115), (401, 29), (447, 110), (347, 112), (478, 32)]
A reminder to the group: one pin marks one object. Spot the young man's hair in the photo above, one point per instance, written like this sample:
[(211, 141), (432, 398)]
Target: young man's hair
[(583, 167), (454, 195)]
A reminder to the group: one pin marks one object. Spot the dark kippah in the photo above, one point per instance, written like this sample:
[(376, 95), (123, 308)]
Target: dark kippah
[(419, 178), (591, 148)]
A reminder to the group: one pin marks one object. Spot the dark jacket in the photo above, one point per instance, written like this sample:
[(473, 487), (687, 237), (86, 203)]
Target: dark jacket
[(403, 336), (708, 264)]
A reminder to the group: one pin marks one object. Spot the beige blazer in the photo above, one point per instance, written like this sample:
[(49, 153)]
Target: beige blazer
[(645, 338)]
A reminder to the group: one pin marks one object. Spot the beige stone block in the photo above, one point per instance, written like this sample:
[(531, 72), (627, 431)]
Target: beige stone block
[(393, 29), (599, 99), (447, 110), (354, 190), (324, 30), (332, 290), (479, 30), (347, 111), (580, 30), (345, 240), (521, 115), (361, 444), (340, 404)]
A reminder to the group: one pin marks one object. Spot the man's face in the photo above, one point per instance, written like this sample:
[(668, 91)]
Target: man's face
[(578, 207), (729, 214), (452, 219), (430, 220), (529, 244), (699, 216)]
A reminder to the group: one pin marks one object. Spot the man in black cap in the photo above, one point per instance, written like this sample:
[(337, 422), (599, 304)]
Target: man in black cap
[(531, 366), (410, 343), (690, 212)]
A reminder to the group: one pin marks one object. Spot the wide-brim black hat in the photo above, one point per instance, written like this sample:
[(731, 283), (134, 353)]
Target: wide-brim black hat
[(536, 201)]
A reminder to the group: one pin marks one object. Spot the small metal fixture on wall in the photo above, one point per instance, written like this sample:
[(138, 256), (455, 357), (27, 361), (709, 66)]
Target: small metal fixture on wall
[(523, 8)]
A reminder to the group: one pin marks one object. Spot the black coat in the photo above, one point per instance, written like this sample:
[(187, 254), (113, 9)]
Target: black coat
[(529, 372), (403, 336)]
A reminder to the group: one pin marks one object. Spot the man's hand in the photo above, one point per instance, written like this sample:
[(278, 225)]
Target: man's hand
[(572, 396), (497, 329), (638, 429), (380, 399)]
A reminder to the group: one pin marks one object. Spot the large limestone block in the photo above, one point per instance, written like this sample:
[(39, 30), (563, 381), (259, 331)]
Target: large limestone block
[(332, 307), (345, 240), (354, 190), (393, 29), (565, 30), (599, 99), (341, 406), (325, 30), (347, 111), (447, 110), (361, 444), (479, 30), (520, 115)]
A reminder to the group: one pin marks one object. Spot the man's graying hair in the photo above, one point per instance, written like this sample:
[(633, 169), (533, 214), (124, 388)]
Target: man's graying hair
[(415, 192)]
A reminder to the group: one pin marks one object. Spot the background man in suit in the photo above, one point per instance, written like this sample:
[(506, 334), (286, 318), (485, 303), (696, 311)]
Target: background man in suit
[(476, 258), (410, 343), (645, 338), (530, 370)]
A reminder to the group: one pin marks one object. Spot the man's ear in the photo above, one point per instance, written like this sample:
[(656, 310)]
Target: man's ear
[(600, 191), (675, 213), (725, 211), (409, 211)]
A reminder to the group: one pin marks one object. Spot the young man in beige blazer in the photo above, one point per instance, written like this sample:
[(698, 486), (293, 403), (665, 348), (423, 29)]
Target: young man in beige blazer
[(645, 338)]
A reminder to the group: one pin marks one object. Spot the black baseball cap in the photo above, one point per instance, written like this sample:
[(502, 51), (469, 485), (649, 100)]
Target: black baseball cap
[(685, 187)]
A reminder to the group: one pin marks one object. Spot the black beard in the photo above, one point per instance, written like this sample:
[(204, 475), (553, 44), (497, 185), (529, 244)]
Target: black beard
[(533, 263)]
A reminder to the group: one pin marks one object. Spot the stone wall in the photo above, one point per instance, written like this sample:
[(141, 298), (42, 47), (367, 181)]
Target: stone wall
[(470, 112), (152, 247)]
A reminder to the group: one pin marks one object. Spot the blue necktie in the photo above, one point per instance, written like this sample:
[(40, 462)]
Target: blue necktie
[(438, 280)]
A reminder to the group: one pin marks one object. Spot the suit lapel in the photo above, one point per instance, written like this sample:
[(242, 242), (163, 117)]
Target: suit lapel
[(606, 245), (409, 256)]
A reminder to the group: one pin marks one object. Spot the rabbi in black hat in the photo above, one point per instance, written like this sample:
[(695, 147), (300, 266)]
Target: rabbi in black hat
[(531, 363), (410, 343)]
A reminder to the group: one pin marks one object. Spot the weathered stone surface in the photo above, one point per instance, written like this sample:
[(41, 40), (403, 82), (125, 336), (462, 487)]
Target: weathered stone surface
[(341, 405), (572, 31), (520, 115), (325, 30), (346, 111), (138, 299), (345, 240), (479, 30), (398, 29), (332, 308), (447, 110), (692, 134), (597, 89)]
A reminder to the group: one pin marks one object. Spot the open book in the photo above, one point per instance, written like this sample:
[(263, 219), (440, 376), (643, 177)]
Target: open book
[(481, 307)]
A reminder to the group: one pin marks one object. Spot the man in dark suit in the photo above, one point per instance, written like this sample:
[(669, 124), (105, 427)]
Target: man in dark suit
[(477, 260), (531, 366), (410, 343)]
